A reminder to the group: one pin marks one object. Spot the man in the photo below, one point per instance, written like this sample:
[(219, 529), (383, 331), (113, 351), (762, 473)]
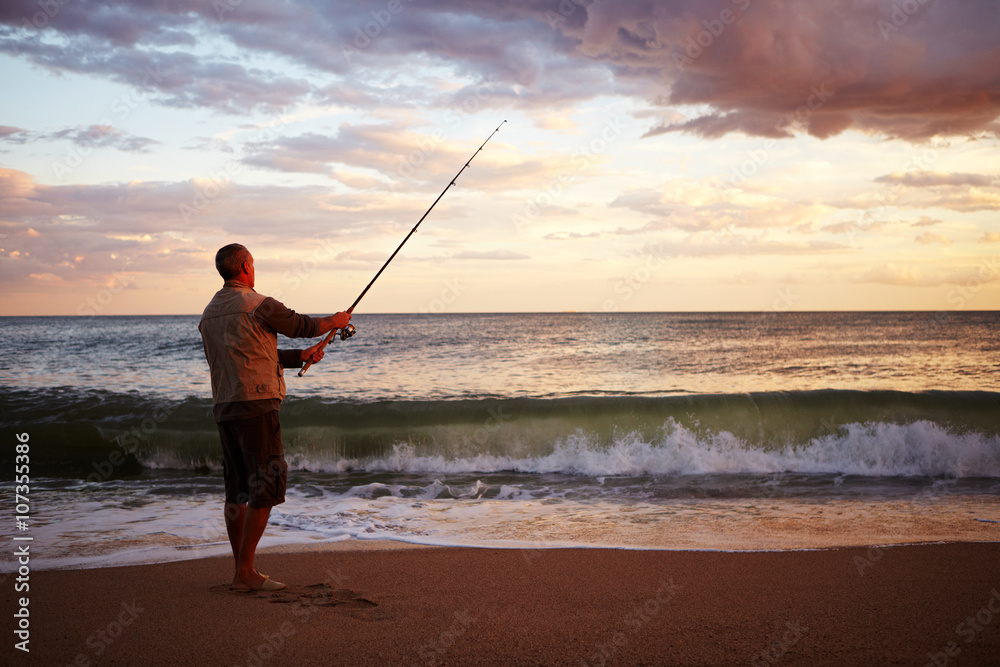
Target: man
[(239, 332)]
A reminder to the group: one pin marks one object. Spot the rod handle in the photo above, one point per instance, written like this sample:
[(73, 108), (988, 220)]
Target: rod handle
[(326, 341)]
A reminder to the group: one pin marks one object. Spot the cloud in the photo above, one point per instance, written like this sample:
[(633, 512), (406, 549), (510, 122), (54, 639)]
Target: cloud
[(387, 148), (766, 69), (965, 198), (567, 236), (14, 135), (928, 238), (309, 153), (894, 274), (773, 69), (171, 78), (698, 205), (744, 278), (66, 250), (354, 44), (708, 245), (93, 136), (854, 226), (86, 232), (907, 276), (105, 136), (491, 254), (990, 237), (406, 160), (929, 179), (359, 256)]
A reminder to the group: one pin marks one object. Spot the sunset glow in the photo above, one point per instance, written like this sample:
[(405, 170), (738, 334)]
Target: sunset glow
[(665, 156)]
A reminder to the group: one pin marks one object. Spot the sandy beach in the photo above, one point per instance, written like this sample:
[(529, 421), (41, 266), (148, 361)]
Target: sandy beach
[(909, 605)]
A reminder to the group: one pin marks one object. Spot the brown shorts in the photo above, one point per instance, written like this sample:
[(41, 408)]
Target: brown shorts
[(253, 460)]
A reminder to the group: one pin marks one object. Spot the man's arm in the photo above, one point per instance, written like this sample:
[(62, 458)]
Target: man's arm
[(295, 358), (281, 319), (335, 321)]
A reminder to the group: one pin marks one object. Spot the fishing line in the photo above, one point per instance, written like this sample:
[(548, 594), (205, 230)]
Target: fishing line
[(350, 329)]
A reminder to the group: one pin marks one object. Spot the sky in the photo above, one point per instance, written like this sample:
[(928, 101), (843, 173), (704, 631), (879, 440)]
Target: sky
[(689, 155)]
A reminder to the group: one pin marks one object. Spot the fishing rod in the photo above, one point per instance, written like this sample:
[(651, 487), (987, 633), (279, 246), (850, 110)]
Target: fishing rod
[(350, 329)]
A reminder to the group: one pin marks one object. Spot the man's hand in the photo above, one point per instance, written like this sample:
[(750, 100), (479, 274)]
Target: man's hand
[(313, 354), (341, 320)]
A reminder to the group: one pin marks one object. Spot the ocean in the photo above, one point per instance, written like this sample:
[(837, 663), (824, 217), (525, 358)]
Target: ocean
[(728, 431)]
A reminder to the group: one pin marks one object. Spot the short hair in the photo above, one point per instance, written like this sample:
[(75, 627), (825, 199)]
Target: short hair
[(229, 260)]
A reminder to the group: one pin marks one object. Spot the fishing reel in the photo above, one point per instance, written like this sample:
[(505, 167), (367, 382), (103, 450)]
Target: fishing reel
[(347, 332)]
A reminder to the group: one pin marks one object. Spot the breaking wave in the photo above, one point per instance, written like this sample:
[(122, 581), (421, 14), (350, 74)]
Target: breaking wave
[(954, 434)]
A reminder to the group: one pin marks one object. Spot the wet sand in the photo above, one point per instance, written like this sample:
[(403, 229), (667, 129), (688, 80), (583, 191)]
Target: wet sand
[(908, 605)]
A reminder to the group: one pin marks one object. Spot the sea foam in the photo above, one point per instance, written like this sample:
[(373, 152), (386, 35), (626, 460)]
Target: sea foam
[(920, 448)]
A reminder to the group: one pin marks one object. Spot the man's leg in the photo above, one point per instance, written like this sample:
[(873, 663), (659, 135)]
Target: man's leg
[(235, 475), (254, 523), (234, 526), (262, 465)]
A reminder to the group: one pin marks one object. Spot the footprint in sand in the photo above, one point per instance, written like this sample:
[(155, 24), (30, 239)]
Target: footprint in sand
[(314, 595)]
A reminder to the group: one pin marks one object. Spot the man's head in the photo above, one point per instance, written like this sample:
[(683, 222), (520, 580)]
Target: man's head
[(235, 262)]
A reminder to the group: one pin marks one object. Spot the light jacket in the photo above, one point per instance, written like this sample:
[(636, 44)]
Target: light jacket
[(242, 354)]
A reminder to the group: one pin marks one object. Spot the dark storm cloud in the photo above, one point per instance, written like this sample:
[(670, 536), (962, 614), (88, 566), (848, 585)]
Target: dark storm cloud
[(772, 69), (912, 70)]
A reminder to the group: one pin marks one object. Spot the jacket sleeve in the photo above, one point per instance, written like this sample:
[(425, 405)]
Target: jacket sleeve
[(279, 318), (290, 358)]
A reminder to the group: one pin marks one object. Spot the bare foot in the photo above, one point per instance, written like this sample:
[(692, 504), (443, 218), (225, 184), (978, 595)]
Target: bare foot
[(255, 582)]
